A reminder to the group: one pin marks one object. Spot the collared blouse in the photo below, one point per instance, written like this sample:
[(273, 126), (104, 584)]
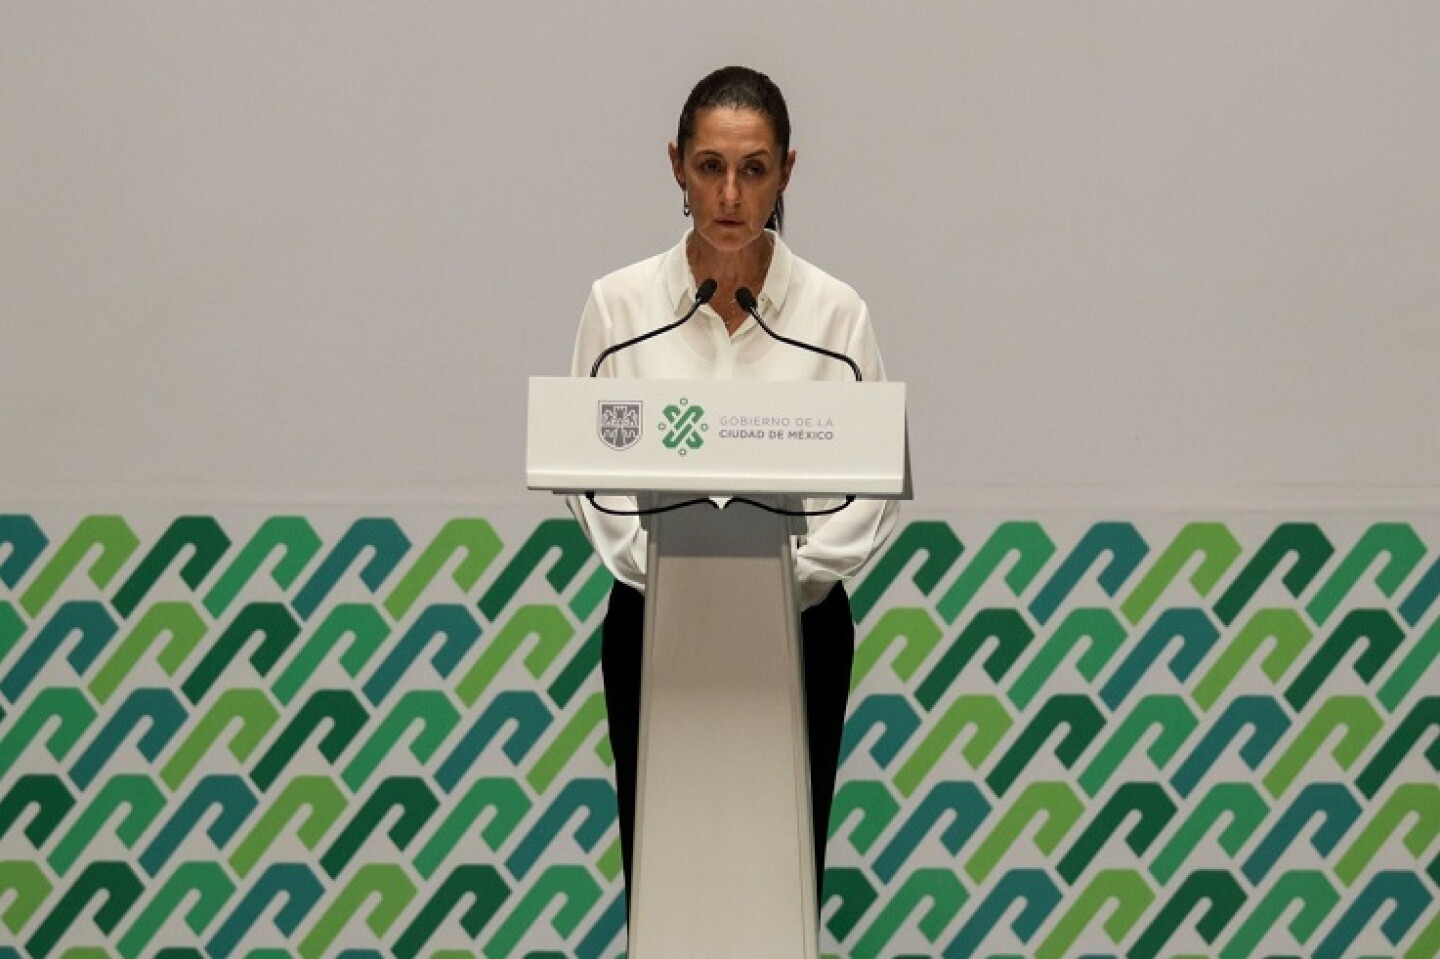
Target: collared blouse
[(798, 300)]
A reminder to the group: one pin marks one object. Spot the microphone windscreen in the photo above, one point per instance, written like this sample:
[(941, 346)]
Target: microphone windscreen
[(746, 299), (707, 290)]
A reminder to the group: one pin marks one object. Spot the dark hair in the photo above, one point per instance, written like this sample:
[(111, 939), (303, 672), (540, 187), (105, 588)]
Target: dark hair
[(740, 88)]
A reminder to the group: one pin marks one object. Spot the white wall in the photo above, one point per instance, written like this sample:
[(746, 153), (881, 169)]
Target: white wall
[(311, 251)]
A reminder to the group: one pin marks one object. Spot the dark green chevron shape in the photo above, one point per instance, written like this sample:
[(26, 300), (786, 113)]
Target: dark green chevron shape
[(50, 799), (856, 895), (1223, 897), (1149, 799), (1379, 631), (1310, 550), (1006, 626), (563, 536), (1418, 725), (1078, 715), (409, 794), (272, 621), (340, 709), (933, 540), (201, 535), (574, 673), (486, 891), (113, 882)]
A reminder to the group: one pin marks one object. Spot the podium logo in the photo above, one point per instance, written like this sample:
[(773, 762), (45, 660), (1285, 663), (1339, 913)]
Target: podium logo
[(684, 426), (620, 424)]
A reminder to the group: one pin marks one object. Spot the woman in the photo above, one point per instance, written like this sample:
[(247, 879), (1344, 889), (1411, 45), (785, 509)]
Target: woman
[(732, 161)]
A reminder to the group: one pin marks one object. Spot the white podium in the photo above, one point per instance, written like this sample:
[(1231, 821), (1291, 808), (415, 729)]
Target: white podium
[(723, 864)]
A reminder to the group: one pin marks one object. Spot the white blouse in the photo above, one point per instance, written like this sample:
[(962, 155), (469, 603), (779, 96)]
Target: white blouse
[(799, 301)]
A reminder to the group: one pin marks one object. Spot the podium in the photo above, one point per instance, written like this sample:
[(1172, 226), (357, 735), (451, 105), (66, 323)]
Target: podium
[(723, 860)]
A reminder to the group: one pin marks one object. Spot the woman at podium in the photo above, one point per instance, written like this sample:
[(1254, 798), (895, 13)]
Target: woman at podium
[(732, 162)]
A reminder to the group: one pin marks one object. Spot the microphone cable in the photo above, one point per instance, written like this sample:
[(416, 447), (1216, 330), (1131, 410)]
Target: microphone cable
[(702, 296)]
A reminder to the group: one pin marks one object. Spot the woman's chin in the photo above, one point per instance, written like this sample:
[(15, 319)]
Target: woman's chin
[(725, 238)]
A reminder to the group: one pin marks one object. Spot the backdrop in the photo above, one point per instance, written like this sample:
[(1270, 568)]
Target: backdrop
[(1161, 281)]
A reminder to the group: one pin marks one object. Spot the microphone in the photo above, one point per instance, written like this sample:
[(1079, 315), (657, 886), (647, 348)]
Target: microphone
[(702, 296), (746, 299)]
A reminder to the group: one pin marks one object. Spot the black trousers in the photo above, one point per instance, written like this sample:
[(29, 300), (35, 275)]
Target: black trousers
[(828, 647)]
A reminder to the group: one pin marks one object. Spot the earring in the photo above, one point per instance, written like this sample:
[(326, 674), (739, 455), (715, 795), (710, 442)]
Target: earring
[(685, 207)]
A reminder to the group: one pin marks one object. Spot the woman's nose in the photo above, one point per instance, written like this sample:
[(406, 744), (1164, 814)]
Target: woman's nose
[(730, 189)]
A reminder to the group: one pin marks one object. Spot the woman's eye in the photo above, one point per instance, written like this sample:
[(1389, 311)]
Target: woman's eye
[(755, 169), (709, 166)]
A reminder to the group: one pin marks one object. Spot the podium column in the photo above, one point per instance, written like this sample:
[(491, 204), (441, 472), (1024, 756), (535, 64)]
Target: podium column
[(723, 858)]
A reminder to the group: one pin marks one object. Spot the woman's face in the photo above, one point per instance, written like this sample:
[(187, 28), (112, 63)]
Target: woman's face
[(732, 172)]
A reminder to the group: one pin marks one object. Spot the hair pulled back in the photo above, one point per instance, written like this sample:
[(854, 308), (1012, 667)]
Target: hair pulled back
[(740, 88)]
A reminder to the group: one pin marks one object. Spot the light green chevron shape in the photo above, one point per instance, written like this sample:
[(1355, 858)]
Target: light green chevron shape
[(1290, 634), (552, 631), (985, 713), (589, 717), (1212, 542), (505, 796), (110, 534), (179, 621), (1356, 715), (1054, 802), (1026, 541), (86, 952), (1420, 800), (361, 622), (1402, 550), (209, 885), (1106, 635), (69, 705), (1123, 893), (430, 709), (877, 808), (1167, 712), (12, 627), (30, 887), (386, 882), (251, 709), (317, 796), (474, 540), (1414, 667), (572, 884), (612, 861), (1242, 808), (915, 628), (135, 793), (940, 888), (1317, 898), (292, 535)]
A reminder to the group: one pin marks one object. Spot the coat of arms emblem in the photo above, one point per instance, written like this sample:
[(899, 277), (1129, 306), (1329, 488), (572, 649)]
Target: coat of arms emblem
[(620, 424)]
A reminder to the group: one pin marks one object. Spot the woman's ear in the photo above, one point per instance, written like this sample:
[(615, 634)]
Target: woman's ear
[(677, 166), (785, 169)]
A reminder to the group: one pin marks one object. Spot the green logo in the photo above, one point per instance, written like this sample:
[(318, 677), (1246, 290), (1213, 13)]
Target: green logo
[(684, 425)]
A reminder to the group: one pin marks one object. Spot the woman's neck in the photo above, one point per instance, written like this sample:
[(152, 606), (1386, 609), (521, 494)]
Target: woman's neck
[(730, 271)]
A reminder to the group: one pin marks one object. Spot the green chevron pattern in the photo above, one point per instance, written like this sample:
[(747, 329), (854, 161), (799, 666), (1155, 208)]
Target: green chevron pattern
[(385, 738)]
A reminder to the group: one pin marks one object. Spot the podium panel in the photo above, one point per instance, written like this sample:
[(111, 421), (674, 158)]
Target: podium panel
[(716, 436)]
